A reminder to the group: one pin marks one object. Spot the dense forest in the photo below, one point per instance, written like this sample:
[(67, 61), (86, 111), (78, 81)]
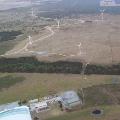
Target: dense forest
[(32, 65), (9, 35)]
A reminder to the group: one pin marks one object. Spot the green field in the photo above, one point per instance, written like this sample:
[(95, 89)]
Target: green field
[(101, 91), (109, 113), (6, 46), (107, 94), (39, 85), (7, 40), (103, 97), (8, 81)]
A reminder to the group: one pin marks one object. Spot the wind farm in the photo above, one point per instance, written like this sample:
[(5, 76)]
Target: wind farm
[(53, 46), (73, 40), (52, 36)]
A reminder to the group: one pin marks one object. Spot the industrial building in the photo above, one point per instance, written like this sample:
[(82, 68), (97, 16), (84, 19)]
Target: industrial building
[(39, 107), (70, 100)]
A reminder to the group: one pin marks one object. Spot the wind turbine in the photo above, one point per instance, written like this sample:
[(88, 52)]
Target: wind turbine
[(58, 22), (102, 14), (33, 15), (79, 46), (30, 39)]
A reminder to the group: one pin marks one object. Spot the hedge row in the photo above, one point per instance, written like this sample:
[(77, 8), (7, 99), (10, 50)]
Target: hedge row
[(32, 65)]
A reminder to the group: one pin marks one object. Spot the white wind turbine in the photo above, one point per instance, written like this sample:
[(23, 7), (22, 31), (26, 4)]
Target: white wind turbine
[(79, 46), (58, 22), (102, 14), (32, 12), (30, 39), (33, 15)]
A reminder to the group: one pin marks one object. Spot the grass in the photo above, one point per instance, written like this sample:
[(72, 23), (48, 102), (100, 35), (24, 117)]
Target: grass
[(9, 80), (6, 46), (107, 94), (39, 85), (110, 113)]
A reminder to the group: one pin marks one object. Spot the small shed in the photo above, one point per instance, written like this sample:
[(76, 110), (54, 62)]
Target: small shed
[(39, 107), (70, 99)]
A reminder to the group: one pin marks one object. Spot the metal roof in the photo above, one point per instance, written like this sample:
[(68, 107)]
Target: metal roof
[(70, 97)]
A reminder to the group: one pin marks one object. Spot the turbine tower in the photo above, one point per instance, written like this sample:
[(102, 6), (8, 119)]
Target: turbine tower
[(102, 14), (33, 15), (32, 12), (79, 46), (30, 39), (58, 22)]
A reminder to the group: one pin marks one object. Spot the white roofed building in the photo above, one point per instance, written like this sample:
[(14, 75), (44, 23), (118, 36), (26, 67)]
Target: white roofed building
[(39, 107)]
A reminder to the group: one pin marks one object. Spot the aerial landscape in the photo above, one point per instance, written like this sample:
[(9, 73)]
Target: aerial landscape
[(60, 59)]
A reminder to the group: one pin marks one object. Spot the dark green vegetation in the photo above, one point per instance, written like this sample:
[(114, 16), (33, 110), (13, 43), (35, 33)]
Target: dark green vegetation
[(9, 35), (8, 81), (32, 65), (103, 69), (29, 64), (7, 40)]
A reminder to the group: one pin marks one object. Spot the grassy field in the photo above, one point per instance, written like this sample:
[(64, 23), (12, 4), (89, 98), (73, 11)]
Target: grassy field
[(8, 81), (6, 46), (38, 85), (107, 94), (104, 97), (101, 91), (110, 113)]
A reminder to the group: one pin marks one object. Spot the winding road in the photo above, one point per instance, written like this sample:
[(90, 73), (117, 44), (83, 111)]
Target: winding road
[(30, 43)]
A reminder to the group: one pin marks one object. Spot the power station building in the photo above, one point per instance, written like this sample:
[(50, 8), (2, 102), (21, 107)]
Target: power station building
[(70, 100)]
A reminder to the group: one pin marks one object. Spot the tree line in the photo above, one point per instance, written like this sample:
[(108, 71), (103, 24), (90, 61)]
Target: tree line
[(9, 35), (32, 65)]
